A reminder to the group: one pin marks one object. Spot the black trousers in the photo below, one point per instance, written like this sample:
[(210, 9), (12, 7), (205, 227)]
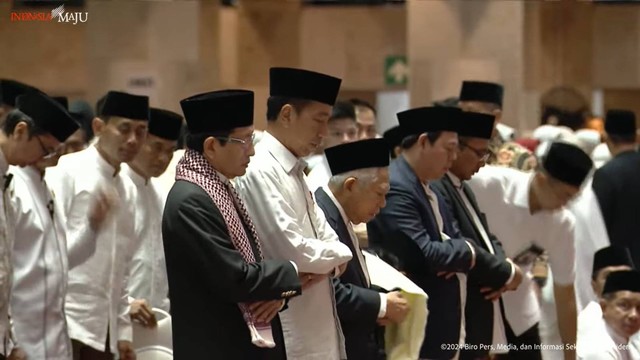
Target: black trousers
[(525, 345)]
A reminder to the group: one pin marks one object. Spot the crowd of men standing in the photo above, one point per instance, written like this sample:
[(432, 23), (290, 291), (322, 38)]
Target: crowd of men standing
[(257, 249)]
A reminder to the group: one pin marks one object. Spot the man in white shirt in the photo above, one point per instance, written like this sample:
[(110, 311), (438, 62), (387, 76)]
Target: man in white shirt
[(525, 211), (342, 129), (605, 261), (291, 225), (97, 303), (485, 329), (9, 92), (147, 285), (366, 118), (354, 195), (34, 130), (610, 338)]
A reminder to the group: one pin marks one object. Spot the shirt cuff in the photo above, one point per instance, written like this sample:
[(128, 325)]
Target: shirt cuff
[(383, 306), (513, 272), (294, 266), (473, 255)]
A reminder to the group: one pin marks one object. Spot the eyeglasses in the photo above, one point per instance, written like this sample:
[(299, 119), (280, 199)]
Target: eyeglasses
[(483, 155), (244, 142), (49, 153)]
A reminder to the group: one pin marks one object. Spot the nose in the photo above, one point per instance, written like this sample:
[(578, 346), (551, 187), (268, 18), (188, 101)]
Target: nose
[(324, 130), (132, 139), (251, 149)]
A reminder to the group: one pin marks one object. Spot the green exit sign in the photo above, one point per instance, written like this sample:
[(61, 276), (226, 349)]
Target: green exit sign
[(396, 70)]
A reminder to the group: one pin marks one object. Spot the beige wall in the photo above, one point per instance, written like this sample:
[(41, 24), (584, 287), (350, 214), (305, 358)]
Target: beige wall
[(190, 46), (450, 41)]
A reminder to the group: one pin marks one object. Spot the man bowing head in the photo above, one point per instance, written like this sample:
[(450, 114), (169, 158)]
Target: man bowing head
[(224, 297)]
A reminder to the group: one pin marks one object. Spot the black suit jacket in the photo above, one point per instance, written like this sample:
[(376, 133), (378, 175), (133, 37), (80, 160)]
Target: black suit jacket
[(617, 187), (478, 311), (358, 306), (406, 227), (208, 278)]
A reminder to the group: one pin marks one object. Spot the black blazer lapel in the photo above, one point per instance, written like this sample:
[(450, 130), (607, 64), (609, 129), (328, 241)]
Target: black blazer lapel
[(337, 223), (454, 195)]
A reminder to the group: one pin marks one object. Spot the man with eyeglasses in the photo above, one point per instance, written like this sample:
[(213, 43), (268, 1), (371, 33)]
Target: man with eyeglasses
[(30, 132), (526, 211), (484, 325), (148, 286), (225, 297), (416, 227), (9, 92), (292, 226), (97, 303), (486, 97)]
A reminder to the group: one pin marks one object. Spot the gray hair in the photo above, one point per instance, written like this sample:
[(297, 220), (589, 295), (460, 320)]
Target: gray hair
[(365, 177)]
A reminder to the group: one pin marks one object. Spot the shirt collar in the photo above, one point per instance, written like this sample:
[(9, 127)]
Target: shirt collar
[(137, 179), (4, 165), (455, 180), (520, 193), (103, 164), (283, 156), (337, 204), (33, 172), (619, 340), (223, 178)]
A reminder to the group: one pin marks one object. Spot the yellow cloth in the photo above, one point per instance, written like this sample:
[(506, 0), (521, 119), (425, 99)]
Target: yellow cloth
[(402, 341)]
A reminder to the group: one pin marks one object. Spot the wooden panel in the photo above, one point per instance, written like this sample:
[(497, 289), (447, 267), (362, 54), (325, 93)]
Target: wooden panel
[(352, 42), (268, 35), (623, 99), (48, 55), (616, 51), (558, 44)]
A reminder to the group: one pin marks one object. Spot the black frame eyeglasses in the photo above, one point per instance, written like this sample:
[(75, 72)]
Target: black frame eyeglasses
[(49, 153), (483, 155)]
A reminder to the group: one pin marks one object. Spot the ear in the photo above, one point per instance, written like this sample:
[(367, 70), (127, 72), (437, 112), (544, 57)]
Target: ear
[(21, 130), (209, 148), (97, 125), (423, 140), (603, 305), (397, 150), (498, 114), (349, 184), (287, 114)]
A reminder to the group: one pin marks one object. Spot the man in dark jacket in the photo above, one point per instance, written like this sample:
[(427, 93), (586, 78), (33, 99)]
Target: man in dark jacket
[(355, 193), (616, 183), (224, 297), (484, 325), (416, 227)]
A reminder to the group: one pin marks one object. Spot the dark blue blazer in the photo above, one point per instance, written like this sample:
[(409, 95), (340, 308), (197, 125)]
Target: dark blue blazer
[(406, 227), (357, 304)]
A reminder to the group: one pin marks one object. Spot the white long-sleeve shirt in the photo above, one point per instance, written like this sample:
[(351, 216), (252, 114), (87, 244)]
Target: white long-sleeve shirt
[(97, 299), (6, 246), (40, 266), (292, 227), (148, 274), (590, 236), (503, 195)]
